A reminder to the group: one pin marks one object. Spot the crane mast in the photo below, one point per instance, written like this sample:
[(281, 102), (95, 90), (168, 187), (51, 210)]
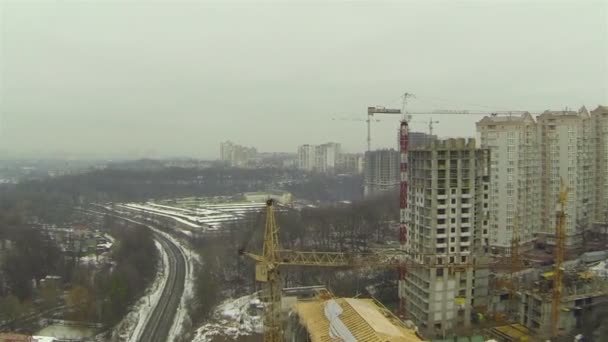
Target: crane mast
[(403, 174), (560, 240), (268, 273)]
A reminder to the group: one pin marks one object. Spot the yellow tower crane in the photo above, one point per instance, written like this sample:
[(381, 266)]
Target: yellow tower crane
[(515, 263), (273, 257), (560, 249)]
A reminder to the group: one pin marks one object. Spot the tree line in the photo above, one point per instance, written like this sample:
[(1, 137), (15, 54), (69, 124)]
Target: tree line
[(349, 228), (101, 293)]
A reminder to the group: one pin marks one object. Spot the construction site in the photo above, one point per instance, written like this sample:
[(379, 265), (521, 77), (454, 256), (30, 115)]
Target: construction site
[(485, 253)]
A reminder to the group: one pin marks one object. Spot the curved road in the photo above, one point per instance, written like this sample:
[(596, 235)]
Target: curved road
[(161, 320)]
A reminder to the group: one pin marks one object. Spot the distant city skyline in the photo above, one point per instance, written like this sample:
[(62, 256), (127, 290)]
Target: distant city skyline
[(87, 80)]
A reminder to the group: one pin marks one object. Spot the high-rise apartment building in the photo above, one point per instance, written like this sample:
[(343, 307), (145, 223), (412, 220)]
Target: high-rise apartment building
[(529, 160), (448, 220), (320, 158), (351, 163), (307, 157), (327, 157), (515, 184), (381, 171), (599, 117), (567, 150), (236, 155)]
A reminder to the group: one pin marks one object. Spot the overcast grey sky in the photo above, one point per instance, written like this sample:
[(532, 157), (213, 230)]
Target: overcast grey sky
[(174, 78)]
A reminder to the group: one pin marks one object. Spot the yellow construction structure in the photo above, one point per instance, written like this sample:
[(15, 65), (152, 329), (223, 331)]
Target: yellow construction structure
[(268, 264), (365, 319), (560, 249), (515, 264)]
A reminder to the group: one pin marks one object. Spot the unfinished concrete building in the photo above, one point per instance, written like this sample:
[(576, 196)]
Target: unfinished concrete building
[(584, 296), (448, 218), (381, 171)]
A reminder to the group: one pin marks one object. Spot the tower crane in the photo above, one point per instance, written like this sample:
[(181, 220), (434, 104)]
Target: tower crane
[(515, 259), (560, 249), (370, 114), (431, 122), (371, 111), (273, 257)]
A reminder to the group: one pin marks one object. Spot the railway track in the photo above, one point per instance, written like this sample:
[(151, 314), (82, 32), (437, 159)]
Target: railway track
[(161, 320)]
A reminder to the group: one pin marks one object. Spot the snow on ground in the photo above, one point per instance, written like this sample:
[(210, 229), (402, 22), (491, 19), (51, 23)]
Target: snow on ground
[(600, 269), (94, 260), (232, 319), (131, 327), (61, 331), (209, 217)]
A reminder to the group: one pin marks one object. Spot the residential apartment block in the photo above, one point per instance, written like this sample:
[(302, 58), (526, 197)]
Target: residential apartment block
[(530, 158), (448, 220), (236, 155), (599, 118), (515, 184), (351, 163), (320, 158)]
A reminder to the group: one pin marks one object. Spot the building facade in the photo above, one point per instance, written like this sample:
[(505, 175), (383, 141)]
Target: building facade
[(236, 155), (515, 183), (351, 163), (381, 171), (568, 155), (530, 158), (448, 220), (419, 139), (599, 118), (319, 158), (307, 157)]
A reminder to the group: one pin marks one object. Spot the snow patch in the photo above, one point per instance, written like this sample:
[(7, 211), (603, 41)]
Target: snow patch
[(131, 327), (233, 318), (192, 258)]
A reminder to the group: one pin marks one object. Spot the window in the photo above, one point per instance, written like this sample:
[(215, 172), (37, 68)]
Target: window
[(439, 273)]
